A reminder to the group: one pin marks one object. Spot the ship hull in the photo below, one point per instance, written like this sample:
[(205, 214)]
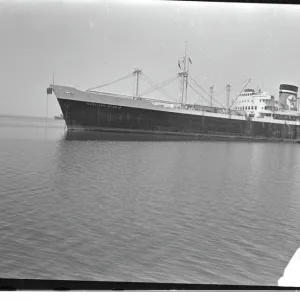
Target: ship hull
[(111, 116)]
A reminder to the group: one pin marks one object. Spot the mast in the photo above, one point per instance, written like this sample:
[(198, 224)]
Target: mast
[(186, 72), (137, 73), (228, 88), (184, 75), (211, 94)]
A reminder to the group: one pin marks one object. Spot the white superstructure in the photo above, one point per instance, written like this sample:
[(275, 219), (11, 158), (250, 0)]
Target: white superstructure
[(261, 104), (256, 104)]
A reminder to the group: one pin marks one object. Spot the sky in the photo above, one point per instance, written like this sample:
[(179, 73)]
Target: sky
[(89, 43)]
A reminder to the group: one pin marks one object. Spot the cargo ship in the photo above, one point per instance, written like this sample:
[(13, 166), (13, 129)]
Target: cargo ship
[(252, 115)]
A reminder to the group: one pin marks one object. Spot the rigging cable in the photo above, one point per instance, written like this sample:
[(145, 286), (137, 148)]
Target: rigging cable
[(248, 81), (194, 81), (158, 87), (220, 91), (240, 82), (112, 82), (237, 112), (232, 85), (198, 93)]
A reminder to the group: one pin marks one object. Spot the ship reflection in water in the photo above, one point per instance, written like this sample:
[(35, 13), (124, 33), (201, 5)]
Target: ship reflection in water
[(74, 135), (112, 136)]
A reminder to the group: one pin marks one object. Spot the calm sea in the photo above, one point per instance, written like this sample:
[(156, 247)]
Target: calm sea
[(97, 209)]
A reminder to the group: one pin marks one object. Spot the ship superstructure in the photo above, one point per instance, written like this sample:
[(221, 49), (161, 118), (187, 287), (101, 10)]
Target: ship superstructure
[(262, 104)]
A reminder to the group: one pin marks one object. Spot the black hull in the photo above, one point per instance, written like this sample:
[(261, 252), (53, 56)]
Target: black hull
[(80, 115)]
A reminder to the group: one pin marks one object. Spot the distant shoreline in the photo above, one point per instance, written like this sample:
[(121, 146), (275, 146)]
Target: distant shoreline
[(23, 116)]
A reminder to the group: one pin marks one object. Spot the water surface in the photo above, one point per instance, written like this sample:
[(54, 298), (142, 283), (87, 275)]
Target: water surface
[(99, 209)]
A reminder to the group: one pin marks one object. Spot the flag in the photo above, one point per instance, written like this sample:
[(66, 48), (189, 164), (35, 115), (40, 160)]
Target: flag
[(179, 65), (190, 60), (49, 91)]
